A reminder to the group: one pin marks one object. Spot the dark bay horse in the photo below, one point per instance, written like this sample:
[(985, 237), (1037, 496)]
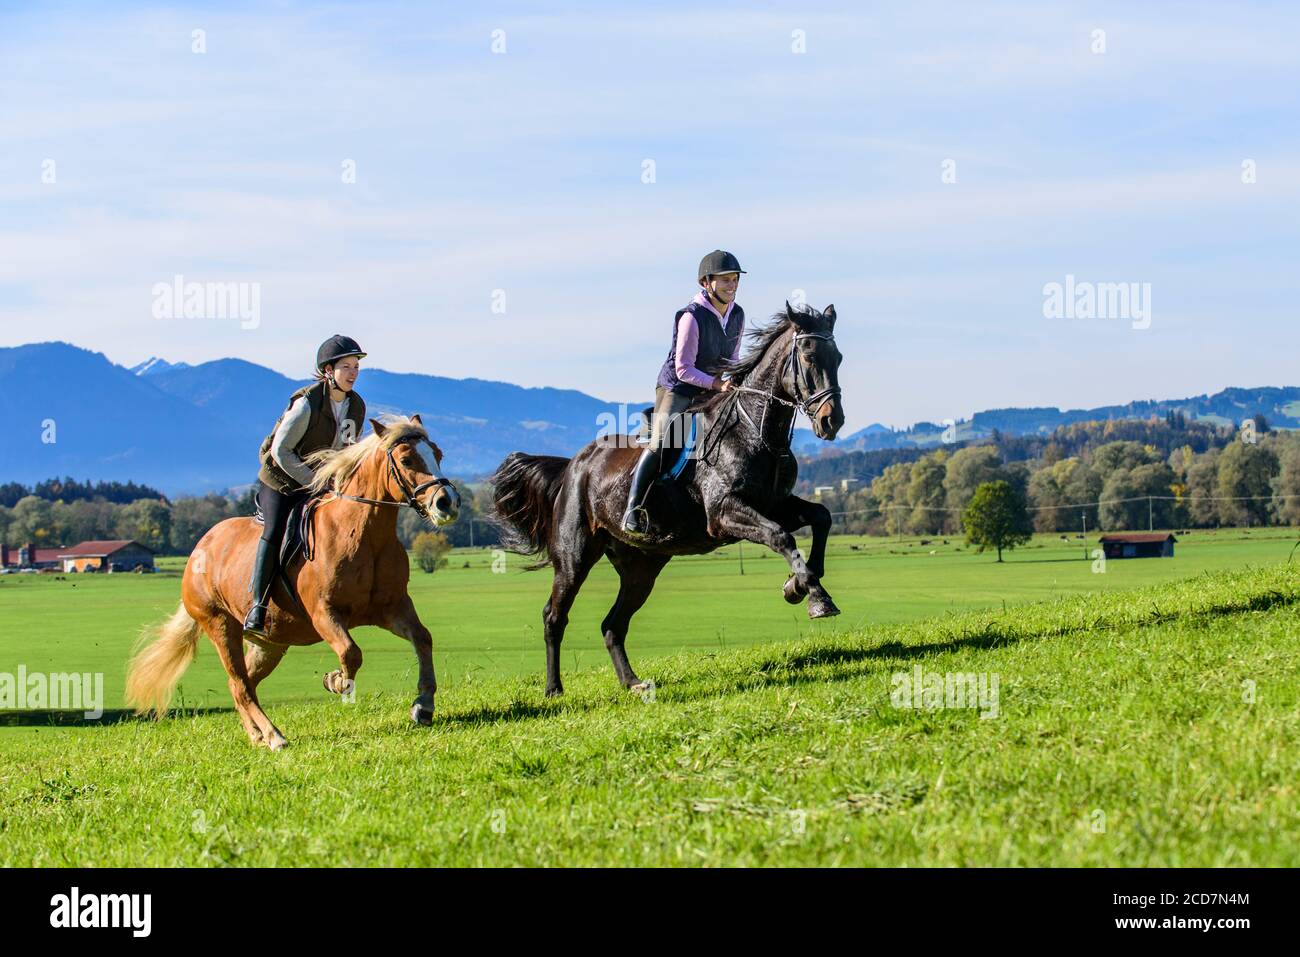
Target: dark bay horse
[(570, 510), (357, 576)]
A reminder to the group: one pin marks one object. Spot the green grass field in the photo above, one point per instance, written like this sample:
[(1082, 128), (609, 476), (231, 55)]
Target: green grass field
[(1146, 716), (489, 624)]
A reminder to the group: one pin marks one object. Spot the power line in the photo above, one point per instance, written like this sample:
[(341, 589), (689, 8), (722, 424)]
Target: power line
[(1096, 504)]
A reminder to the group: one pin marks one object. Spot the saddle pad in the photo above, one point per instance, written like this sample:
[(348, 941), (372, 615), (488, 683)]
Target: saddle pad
[(683, 457)]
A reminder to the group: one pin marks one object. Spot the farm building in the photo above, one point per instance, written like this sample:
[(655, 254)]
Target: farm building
[(1138, 545), (29, 556), (114, 556)]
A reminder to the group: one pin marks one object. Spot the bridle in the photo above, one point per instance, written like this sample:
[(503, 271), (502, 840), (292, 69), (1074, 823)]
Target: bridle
[(808, 405), (411, 494)]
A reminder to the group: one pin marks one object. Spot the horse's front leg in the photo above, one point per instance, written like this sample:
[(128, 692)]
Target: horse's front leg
[(732, 518), (329, 625), (405, 623), (793, 513)]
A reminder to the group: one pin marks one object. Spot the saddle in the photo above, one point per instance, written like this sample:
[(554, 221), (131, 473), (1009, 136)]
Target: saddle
[(678, 459), (299, 536), (683, 461)]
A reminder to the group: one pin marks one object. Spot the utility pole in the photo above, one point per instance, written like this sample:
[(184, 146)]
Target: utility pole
[(1084, 517), (741, 546), (1150, 521)]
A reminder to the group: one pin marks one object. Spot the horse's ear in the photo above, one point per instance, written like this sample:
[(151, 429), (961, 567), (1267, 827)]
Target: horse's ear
[(416, 419), (798, 319), (829, 313), (379, 429)]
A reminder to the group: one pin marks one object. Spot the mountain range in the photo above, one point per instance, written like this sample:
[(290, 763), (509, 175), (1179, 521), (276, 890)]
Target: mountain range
[(1280, 406), (196, 428), (192, 429)]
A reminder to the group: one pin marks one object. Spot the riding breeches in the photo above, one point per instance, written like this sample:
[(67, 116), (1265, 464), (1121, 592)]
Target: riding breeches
[(667, 405), (276, 507)]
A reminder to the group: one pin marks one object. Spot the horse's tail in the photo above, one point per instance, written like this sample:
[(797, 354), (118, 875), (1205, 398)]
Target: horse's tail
[(523, 499), (156, 667)]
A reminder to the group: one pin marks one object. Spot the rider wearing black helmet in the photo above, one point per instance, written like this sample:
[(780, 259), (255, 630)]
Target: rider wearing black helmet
[(706, 335), (326, 414)]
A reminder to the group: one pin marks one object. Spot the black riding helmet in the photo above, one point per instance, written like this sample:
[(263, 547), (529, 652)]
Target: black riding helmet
[(335, 348), (718, 262)]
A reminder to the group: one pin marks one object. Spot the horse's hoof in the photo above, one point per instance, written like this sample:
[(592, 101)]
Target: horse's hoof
[(554, 692), (334, 682), (822, 608), (421, 715), (277, 742), (792, 592)]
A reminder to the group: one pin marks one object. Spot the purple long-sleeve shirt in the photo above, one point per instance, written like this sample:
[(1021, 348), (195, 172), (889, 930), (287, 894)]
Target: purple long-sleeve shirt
[(688, 343)]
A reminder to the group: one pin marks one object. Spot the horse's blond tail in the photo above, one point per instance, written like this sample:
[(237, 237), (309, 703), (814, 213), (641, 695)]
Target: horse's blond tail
[(156, 667)]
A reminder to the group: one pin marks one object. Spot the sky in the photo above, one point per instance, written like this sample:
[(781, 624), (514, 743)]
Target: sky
[(522, 192)]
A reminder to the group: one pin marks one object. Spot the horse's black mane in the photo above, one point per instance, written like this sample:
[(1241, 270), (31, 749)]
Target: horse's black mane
[(762, 337)]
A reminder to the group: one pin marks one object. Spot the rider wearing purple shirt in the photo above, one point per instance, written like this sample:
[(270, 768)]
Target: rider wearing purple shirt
[(706, 335)]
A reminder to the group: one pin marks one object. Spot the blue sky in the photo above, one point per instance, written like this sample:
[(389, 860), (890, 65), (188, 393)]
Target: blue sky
[(522, 171)]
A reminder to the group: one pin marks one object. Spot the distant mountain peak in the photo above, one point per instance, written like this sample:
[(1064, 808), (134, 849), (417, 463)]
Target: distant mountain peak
[(154, 365)]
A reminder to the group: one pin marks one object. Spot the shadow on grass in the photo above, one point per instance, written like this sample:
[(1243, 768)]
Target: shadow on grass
[(78, 719), (846, 662), (517, 711), (784, 671)]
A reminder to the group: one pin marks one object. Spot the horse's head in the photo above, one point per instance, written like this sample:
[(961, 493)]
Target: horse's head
[(811, 377), (413, 471)]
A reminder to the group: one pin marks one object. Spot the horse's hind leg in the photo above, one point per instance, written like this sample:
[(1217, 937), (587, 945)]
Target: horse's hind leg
[(574, 550), (227, 634), (261, 660), (637, 572)]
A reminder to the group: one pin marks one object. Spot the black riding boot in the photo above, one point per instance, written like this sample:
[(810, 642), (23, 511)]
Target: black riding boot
[(634, 517), (263, 575)]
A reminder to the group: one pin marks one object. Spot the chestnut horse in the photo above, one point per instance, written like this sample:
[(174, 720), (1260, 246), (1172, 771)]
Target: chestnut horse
[(356, 576), (570, 510)]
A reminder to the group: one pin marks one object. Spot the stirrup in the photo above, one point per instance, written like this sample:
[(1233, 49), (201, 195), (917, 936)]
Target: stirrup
[(636, 521), (255, 624)]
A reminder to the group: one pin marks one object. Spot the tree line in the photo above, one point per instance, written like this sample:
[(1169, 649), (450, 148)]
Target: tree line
[(1225, 477), (173, 527), (1112, 476), (70, 490)]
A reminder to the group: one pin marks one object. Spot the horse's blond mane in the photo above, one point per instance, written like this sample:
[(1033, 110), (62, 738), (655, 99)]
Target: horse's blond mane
[(335, 467)]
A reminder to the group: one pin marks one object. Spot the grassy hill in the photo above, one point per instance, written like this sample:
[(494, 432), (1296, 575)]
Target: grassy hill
[(1134, 727), (486, 623)]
